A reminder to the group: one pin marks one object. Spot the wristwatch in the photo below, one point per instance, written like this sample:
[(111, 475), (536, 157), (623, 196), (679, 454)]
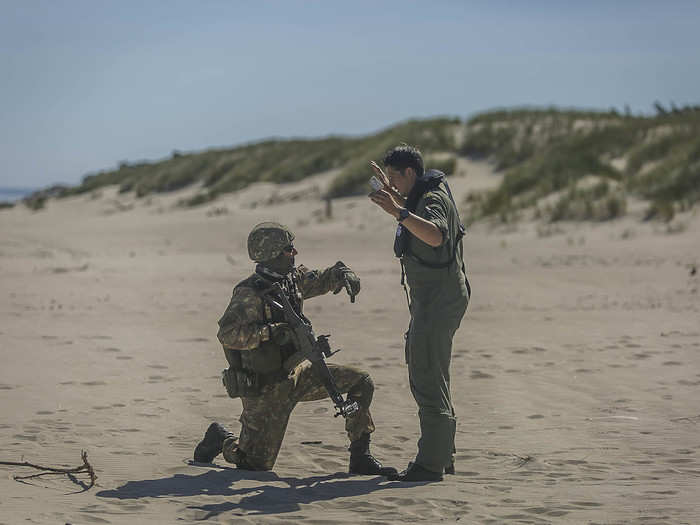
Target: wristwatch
[(403, 214)]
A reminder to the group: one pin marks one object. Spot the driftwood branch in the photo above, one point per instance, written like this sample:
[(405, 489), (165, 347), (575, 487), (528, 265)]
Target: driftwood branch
[(85, 467)]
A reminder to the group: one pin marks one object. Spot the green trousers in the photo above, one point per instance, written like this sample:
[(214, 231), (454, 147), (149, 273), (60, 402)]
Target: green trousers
[(264, 418), (434, 320)]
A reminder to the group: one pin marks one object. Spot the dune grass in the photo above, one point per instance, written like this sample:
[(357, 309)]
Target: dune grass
[(276, 160), (548, 151)]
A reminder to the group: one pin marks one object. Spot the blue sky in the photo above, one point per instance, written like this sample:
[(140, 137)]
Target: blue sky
[(87, 84)]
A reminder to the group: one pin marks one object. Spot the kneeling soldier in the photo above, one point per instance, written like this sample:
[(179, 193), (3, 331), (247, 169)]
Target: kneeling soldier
[(268, 372)]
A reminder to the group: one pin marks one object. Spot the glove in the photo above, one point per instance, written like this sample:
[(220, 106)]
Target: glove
[(348, 279), (280, 333)]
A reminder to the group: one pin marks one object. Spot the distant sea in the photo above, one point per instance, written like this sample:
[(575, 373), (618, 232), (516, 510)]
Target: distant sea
[(14, 194)]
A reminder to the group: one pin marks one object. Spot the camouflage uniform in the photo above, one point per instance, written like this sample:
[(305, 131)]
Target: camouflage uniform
[(246, 331)]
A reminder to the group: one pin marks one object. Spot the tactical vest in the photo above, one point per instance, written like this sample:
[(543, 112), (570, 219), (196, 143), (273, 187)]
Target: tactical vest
[(251, 370)]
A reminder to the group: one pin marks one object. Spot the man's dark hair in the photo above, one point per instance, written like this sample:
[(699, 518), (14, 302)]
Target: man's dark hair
[(405, 156)]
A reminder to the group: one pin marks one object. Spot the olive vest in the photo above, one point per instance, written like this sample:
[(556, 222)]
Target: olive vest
[(269, 358)]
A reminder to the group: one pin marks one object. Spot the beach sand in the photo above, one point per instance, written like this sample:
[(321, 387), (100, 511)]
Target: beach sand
[(575, 373)]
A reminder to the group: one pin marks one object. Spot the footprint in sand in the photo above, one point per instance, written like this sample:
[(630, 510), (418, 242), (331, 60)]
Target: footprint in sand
[(478, 374), (546, 511), (24, 437), (161, 379)]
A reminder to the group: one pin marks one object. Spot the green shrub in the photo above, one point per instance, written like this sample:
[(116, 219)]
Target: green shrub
[(196, 200), (448, 166), (660, 210), (35, 203)]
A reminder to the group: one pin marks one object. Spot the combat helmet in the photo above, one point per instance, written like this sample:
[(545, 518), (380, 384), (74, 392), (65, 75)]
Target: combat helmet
[(267, 240)]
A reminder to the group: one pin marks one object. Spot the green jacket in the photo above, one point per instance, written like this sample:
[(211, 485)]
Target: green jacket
[(437, 207)]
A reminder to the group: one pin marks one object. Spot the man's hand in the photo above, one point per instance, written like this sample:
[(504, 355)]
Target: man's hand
[(348, 280), (380, 175), (379, 172), (386, 201)]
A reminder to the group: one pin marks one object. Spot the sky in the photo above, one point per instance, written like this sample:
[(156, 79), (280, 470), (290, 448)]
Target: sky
[(85, 85)]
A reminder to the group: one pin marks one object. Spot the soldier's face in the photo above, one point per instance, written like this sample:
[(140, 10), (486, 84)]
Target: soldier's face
[(284, 262), (289, 252)]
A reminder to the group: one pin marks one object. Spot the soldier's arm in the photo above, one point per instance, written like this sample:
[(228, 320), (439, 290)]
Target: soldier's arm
[(242, 326), (316, 282)]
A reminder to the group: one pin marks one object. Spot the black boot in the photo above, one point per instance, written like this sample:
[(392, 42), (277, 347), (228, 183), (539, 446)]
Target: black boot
[(415, 472), (450, 469), (364, 463), (210, 446)]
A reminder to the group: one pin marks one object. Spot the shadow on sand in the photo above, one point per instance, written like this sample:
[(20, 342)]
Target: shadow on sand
[(263, 498)]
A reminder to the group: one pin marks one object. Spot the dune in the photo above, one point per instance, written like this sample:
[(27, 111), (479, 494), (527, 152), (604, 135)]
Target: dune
[(575, 372)]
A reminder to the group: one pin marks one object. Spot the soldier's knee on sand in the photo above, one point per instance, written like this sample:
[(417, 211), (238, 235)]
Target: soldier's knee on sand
[(233, 454), (247, 464)]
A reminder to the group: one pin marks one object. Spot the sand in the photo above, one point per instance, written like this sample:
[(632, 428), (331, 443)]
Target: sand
[(576, 371)]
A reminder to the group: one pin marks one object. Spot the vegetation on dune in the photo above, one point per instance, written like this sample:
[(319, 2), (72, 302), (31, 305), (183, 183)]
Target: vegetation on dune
[(563, 164), (430, 136), (549, 151), (278, 161)]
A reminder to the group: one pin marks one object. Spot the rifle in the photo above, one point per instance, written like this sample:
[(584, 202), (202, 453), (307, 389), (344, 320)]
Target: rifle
[(315, 349)]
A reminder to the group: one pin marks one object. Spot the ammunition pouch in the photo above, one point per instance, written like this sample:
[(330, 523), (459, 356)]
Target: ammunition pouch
[(250, 371), (265, 359), (244, 383), (241, 383)]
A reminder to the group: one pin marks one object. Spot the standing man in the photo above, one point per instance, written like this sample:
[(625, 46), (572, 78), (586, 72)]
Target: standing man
[(428, 242), (268, 371)]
